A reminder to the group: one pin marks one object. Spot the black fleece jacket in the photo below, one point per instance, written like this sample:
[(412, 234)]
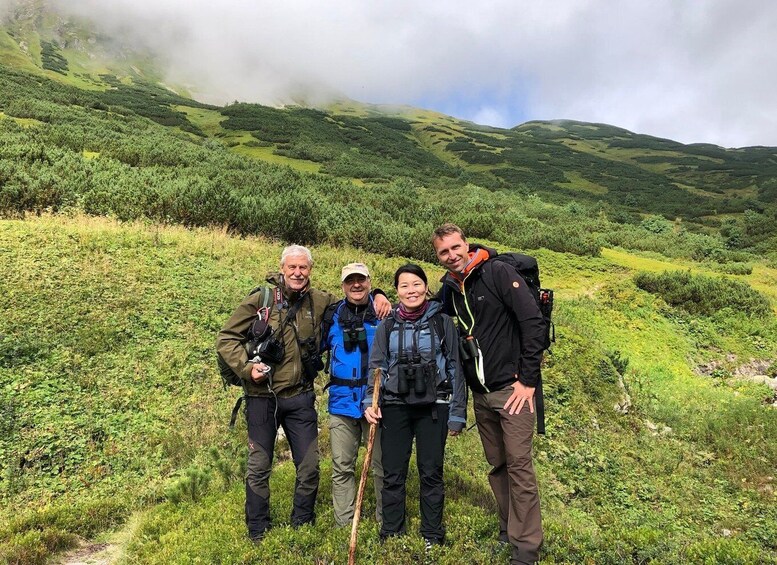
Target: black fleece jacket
[(508, 324)]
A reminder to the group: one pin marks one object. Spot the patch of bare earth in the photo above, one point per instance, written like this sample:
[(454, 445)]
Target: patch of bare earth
[(91, 554)]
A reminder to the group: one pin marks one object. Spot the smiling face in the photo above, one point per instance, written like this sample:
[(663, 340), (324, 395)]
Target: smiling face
[(452, 251), (411, 290), (357, 289), (296, 272)]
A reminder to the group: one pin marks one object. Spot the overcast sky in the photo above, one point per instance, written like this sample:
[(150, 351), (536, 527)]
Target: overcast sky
[(693, 70)]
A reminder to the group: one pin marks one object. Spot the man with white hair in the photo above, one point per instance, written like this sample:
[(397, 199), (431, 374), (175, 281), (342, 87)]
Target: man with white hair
[(278, 369)]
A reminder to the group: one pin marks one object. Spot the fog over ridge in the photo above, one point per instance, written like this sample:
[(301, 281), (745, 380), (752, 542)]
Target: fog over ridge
[(694, 72)]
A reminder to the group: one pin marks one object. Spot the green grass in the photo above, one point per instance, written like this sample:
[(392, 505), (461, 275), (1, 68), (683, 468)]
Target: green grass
[(110, 393), (11, 55), (25, 122), (268, 154), (579, 183), (208, 121)]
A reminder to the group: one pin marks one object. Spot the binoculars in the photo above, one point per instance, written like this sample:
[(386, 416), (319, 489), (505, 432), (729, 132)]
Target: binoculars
[(354, 337), (468, 348), (411, 374), (311, 358)]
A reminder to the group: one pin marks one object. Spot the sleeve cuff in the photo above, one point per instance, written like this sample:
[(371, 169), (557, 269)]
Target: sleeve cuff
[(455, 426)]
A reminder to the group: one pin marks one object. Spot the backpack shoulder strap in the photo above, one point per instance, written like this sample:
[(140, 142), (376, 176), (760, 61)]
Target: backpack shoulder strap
[(438, 327), (264, 302), (326, 324), (487, 276), (390, 321), (329, 317), (267, 295)]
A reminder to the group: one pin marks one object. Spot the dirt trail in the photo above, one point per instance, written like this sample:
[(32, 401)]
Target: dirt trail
[(91, 554)]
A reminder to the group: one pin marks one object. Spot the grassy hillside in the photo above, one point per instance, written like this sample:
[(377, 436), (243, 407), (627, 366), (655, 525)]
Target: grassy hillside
[(111, 406), (133, 219), (36, 36)]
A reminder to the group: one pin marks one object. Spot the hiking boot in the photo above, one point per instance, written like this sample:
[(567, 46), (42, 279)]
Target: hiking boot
[(503, 538), (297, 525), (384, 536), (429, 543)]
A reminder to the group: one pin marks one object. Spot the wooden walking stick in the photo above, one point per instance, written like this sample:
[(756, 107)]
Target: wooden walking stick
[(365, 469)]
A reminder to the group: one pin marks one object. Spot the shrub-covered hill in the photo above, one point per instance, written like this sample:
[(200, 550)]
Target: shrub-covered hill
[(560, 160), (65, 148), (111, 407), (619, 173)]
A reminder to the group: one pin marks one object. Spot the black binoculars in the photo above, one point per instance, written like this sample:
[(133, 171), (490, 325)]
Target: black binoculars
[(414, 373), (311, 358), (468, 348), (353, 337)]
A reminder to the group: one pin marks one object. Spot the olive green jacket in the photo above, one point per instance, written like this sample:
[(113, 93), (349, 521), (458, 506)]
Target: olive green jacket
[(287, 378)]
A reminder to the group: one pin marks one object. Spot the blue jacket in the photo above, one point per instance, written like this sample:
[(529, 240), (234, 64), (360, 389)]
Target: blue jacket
[(348, 363), (385, 355)]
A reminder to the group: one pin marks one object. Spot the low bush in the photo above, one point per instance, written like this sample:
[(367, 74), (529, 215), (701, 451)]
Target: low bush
[(733, 268), (703, 295)]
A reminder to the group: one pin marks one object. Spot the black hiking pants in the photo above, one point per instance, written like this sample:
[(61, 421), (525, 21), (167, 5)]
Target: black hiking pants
[(429, 426), (297, 415)]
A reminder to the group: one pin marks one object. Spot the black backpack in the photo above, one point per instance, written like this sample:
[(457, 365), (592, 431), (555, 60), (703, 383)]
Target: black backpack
[(228, 376), (527, 267)]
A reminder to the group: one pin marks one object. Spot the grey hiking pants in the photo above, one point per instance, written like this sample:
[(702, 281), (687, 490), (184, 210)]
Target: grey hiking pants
[(345, 434)]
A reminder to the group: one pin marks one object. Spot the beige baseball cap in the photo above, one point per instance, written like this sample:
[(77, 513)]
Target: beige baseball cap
[(354, 269)]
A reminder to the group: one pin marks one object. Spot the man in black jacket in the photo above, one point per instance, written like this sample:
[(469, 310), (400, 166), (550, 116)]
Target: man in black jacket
[(502, 334)]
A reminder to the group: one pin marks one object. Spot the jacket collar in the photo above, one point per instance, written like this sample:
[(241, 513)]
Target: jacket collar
[(276, 279)]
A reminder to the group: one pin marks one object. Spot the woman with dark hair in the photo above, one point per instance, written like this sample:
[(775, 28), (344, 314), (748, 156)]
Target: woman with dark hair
[(422, 395)]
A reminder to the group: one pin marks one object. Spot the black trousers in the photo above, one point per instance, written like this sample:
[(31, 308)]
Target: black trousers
[(297, 415), (429, 426)]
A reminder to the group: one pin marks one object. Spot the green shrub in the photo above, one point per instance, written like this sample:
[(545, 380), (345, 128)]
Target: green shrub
[(725, 551), (34, 547), (734, 268), (656, 224), (190, 486), (703, 295), (52, 59)]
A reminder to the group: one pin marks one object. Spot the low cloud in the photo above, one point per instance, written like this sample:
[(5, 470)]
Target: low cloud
[(694, 72), (491, 116)]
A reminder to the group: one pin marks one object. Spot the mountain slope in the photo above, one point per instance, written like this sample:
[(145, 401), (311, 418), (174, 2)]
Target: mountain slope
[(111, 412), (35, 35), (562, 161), (400, 160)]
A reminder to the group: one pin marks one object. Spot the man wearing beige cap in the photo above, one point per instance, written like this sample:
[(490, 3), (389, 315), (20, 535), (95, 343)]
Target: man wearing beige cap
[(278, 381), (348, 330)]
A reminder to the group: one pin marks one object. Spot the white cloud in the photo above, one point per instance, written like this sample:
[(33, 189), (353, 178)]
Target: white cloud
[(691, 71), (490, 116)]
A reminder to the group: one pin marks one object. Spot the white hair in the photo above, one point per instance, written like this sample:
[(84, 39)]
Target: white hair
[(293, 250)]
